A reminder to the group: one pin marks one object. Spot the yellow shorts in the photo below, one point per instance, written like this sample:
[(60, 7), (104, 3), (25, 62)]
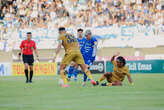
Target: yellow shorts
[(76, 57), (111, 78)]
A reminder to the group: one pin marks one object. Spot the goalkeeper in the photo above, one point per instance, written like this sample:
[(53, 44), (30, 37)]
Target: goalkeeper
[(116, 77)]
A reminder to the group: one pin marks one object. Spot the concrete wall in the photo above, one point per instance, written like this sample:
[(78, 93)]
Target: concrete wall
[(45, 54)]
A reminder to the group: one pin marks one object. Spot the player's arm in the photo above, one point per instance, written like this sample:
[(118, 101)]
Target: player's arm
[(113, 57), (58, 49), (130, 79), (78, 45), (35, 50), (21, 51), (92, 58)]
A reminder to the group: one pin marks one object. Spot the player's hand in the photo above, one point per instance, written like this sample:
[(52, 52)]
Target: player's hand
[(54, 59), (132, 84), (37, 59), (117, 54), (19, 58)]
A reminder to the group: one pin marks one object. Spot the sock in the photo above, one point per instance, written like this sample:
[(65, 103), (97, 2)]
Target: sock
[(85, 77), (101, 78), (109, 84), (71, 68), (75, 74), (31, 75), (63, 76), (88, 73), (26, 73)]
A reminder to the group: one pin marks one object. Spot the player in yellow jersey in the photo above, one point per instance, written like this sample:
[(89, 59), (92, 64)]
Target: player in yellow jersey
[(116, 77), (72, 53)]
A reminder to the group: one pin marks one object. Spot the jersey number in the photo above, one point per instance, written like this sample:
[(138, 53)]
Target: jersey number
[(70, 38)]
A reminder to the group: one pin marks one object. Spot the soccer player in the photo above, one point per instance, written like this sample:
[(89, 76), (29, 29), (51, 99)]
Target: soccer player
[(116, 77), (89, 49), (73, 69), (72, 53), (26, 51)]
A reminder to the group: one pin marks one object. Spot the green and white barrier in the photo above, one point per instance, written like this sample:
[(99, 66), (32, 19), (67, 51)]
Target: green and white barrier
[(141, 66)]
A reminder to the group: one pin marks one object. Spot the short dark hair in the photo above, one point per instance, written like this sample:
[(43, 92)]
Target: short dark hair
[(80, 30), (29, 33), (121, 59), (61, 29)]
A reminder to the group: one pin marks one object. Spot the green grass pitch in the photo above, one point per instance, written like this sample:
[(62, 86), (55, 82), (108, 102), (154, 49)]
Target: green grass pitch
[(45, 94)]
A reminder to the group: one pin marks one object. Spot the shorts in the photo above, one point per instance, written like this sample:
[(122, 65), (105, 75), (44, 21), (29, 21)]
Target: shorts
[(29, 59), (76, 57), (87, 61), (110, 78)]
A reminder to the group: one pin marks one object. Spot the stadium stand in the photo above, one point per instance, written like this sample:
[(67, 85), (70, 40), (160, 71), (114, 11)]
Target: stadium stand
[(116, 23)]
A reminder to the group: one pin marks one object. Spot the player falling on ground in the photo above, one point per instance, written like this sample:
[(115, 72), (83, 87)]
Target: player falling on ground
[(116, 77), (73, 69), (72, 53), (27, 46)]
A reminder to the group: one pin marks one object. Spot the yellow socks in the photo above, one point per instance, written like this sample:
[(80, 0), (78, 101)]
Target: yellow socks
[(88, 73), (63, 76), (109, 84), (101, 78)]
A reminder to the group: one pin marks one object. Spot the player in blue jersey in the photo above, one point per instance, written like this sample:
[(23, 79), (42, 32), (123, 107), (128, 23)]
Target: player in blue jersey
[(88, 47), (89, 51)]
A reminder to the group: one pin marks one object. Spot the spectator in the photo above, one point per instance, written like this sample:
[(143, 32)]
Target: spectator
[(75, 13)]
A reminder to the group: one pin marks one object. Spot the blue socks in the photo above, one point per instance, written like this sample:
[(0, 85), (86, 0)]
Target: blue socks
[(72, 71)]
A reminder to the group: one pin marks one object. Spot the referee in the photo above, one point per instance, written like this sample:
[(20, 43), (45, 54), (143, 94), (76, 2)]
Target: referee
[(26, 51)]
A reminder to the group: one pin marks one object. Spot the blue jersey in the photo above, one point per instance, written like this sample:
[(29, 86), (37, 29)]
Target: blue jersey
[(89, 50), (81, 42)]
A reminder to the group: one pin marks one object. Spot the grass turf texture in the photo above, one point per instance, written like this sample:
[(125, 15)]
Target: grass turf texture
[(45, 94)]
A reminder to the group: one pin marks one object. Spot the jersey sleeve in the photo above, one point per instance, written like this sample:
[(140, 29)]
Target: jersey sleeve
[(34, 46), (94, 49), (60, 38), (114, 63), (22, 45)]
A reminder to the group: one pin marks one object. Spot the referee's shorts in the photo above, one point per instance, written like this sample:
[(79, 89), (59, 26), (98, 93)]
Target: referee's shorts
[(29, 59)]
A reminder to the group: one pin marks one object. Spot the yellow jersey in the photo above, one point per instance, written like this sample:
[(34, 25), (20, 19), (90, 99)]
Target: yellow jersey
[(119, 73), (70, 43)]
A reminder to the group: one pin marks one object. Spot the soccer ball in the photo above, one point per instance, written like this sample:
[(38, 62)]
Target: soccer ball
[(60, 82)]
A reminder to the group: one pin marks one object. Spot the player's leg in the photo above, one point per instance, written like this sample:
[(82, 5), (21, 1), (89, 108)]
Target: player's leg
[(114, 83), (79, 60), (117, 83), (25, 61), (31, 73), (30, 62), (107, 76), (62, 70), (84, 79), (75, 73), (84, 75), (26, 71), (65, 61), (111, 81), (88, 73), (70, 71)]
